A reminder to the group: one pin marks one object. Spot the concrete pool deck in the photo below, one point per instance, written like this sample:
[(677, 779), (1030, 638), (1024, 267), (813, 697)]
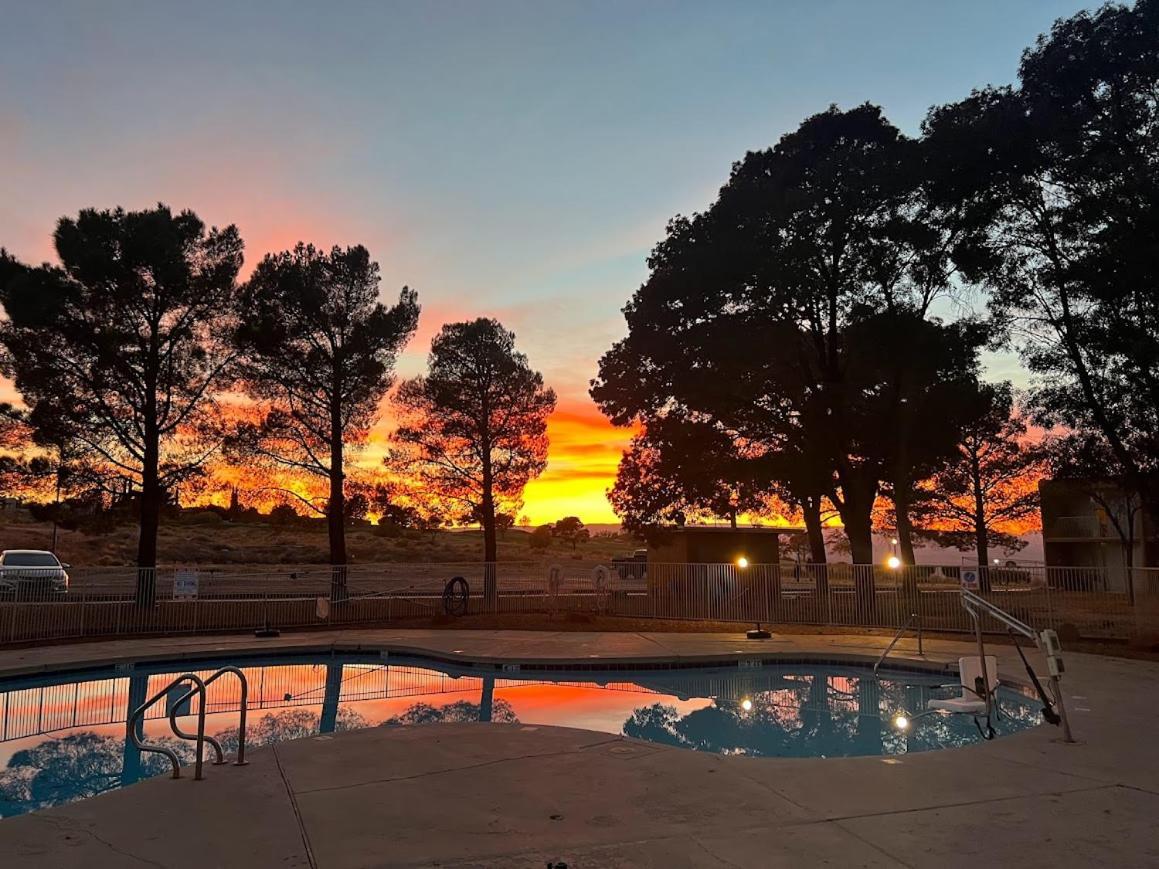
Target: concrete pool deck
[(517, 795)]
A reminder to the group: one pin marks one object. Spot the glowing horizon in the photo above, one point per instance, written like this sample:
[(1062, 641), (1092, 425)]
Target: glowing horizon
[(512, 160)]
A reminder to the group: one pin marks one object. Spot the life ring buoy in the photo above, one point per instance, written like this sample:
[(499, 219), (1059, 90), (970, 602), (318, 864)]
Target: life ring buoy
[(554, 579), (456, 594), (601, 576)]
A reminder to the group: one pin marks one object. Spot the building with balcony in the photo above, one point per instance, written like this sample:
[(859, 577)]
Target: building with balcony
[(1093, 524)]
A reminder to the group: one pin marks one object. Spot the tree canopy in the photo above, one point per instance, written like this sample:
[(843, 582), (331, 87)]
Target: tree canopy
[(473, 429), (1059, 172), (316, 353), (779, 317), (125, 344)]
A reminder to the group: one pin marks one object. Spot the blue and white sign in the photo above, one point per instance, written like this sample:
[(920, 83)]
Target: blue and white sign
[(970, 578), (185, 581)]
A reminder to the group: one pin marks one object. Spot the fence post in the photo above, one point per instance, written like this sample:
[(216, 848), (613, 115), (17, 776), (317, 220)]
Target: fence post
[(1049, 601)]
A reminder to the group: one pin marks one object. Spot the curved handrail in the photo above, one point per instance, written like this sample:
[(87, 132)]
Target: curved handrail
[(241, 727), (139, 712), (914, 618)]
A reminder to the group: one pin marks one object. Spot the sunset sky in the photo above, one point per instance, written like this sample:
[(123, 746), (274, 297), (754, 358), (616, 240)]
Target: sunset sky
[(508, 159)]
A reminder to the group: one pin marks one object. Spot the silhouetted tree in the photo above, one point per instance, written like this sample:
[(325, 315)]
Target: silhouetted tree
[(18, 471), (570, 529), (917, 381), (758, 315), (990, 482), (356, 506), (679, 469), (124, 342), (474, 428), (317, 353), (503, 521), (540, 538), (1060, 170)]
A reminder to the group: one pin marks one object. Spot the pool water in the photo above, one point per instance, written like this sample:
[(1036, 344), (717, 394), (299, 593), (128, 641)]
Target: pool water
[(62, 737)]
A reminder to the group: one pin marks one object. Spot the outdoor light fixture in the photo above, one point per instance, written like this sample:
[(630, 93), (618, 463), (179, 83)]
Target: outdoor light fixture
[(893, 562), (901, 722), (746, 705), (742, 562)]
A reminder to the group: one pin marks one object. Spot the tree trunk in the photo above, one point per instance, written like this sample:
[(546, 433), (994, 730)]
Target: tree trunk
[(903, 496), (490, 546), (1130, 553), (336, 511), (150, 518), (859, 530), (56, 503), (905, 540), (811, 509), (868, 733), (856, 510), (981, 532)]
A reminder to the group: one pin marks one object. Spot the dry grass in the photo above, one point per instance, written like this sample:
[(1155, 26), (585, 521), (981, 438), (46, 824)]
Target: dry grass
[(204, 538)]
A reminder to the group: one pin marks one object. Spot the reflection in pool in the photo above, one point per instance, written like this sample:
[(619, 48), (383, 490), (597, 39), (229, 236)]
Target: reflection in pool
[(62, 737)]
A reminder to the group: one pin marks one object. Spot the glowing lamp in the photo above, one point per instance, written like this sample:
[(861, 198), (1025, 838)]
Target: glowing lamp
[(901, 723), (742, 562), (746, 705), (893, 562)]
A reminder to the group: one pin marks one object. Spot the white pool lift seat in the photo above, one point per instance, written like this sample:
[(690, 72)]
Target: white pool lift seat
[(971, 701)]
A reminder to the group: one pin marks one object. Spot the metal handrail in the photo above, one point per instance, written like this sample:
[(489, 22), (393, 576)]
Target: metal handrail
[(200, 737), (914, 617), (241, 727), (139, 712), (973, 602)]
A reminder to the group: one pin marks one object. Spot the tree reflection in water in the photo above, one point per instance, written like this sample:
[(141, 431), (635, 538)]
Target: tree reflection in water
[(788, 715), (84, 764), (811, 716), (73, 767), (461, 710)]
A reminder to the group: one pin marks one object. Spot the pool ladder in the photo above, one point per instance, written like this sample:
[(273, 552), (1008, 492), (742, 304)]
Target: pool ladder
[(200, 737)]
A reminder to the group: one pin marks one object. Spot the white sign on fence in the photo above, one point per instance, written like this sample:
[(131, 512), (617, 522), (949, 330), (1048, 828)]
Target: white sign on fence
[(185, 583), (970, 578)]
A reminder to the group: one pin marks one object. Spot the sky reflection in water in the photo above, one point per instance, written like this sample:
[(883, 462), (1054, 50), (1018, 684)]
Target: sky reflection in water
[(63, 738)]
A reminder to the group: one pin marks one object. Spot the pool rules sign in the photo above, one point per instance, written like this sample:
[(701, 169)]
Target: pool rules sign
[(970, 578), (185, 583)]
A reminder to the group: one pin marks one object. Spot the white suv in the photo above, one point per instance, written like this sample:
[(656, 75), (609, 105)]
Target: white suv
[(28, 573)]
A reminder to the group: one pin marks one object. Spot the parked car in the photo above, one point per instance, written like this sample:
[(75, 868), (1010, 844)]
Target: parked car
[(32, 574), (632, 567)]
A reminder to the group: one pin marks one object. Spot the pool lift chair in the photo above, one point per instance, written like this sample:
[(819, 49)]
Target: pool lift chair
[(979, 681), (978, 674)]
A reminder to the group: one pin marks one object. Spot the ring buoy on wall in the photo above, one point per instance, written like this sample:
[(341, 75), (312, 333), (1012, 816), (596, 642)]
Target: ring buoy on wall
[(554, 579), (456, 594)]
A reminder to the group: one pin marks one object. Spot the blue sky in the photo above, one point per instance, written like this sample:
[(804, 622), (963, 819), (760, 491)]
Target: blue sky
[(513, 159)]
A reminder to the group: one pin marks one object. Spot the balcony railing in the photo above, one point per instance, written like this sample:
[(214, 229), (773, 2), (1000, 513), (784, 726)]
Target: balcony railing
[(1080, 527)]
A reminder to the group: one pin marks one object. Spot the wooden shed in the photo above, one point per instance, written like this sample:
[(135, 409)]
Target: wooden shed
[(718, 545)]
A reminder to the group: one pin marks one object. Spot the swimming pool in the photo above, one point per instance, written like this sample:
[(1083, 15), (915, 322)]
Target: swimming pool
[(62, 736)]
